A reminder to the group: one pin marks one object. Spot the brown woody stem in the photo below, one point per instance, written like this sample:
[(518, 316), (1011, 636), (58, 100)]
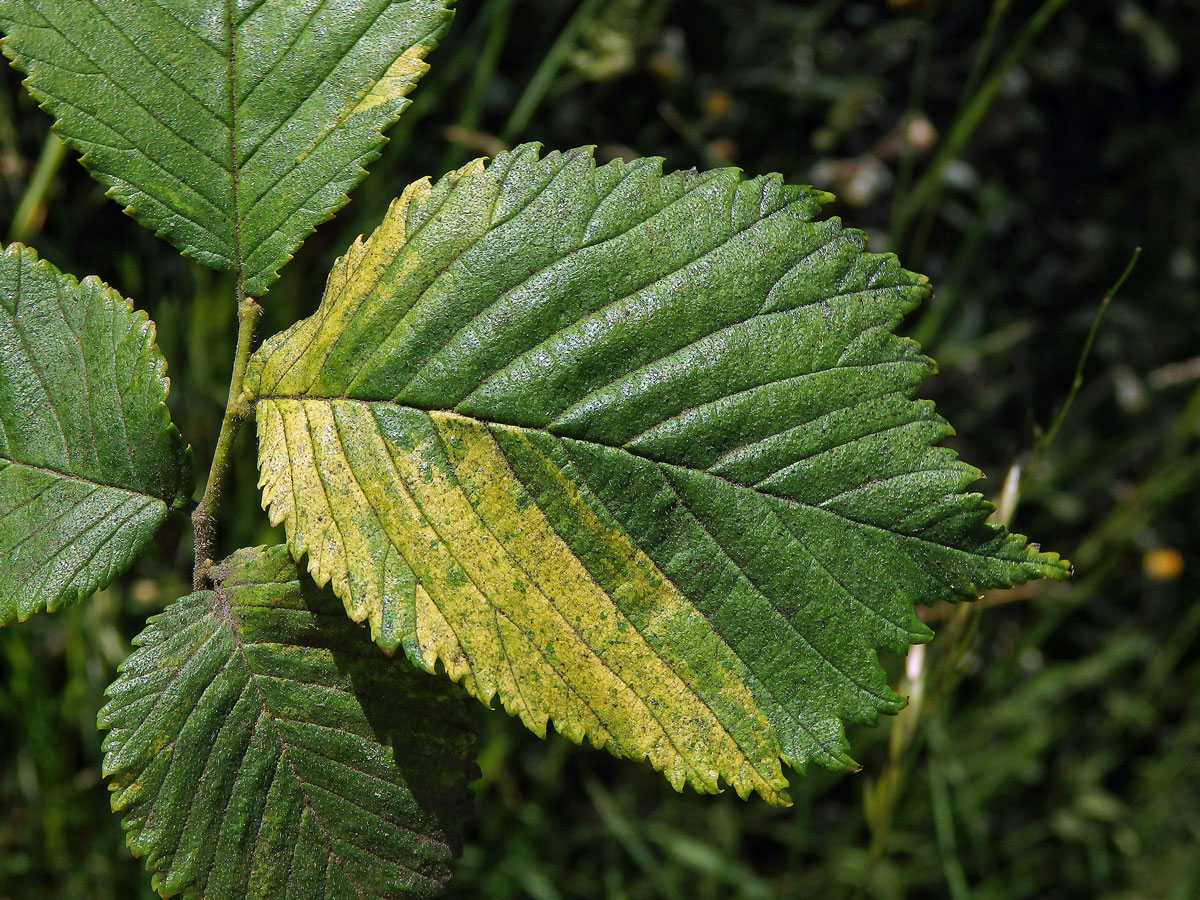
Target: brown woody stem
[(237, 411)]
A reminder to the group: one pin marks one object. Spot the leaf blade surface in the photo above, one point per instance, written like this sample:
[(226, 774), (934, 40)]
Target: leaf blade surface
[(89, 460), (260, 745), (653, 431), (232, 130)]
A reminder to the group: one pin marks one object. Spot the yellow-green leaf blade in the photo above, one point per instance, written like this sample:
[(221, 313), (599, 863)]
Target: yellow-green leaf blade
[(682, 389), (232, 130), (90, 463), (261, 746)]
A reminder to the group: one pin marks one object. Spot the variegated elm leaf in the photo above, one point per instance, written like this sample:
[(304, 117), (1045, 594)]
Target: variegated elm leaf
[(637, 453), (232, 129), (261, 746), (89, 460)]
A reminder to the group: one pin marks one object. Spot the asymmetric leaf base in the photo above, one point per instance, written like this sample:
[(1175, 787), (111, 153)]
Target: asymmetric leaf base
[(635, 453)]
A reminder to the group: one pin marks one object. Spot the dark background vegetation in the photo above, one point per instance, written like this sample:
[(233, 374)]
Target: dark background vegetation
[(1016, 152)]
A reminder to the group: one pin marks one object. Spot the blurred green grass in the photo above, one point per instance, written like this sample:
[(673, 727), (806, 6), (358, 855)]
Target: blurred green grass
[(1056, 752)]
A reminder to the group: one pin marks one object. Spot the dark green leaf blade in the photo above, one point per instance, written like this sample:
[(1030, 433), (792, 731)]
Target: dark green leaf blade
[(232, 130), (89, 460), (654, 432), (261, 746)]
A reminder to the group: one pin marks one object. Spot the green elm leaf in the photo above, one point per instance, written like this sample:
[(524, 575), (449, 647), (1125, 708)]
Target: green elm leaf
[(637, 453), (90, 463), (230, 129), (261, 746)]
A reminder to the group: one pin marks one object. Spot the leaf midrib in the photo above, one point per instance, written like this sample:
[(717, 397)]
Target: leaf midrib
[(234, 162), (658, 462), (223, 609), (79, 478)]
